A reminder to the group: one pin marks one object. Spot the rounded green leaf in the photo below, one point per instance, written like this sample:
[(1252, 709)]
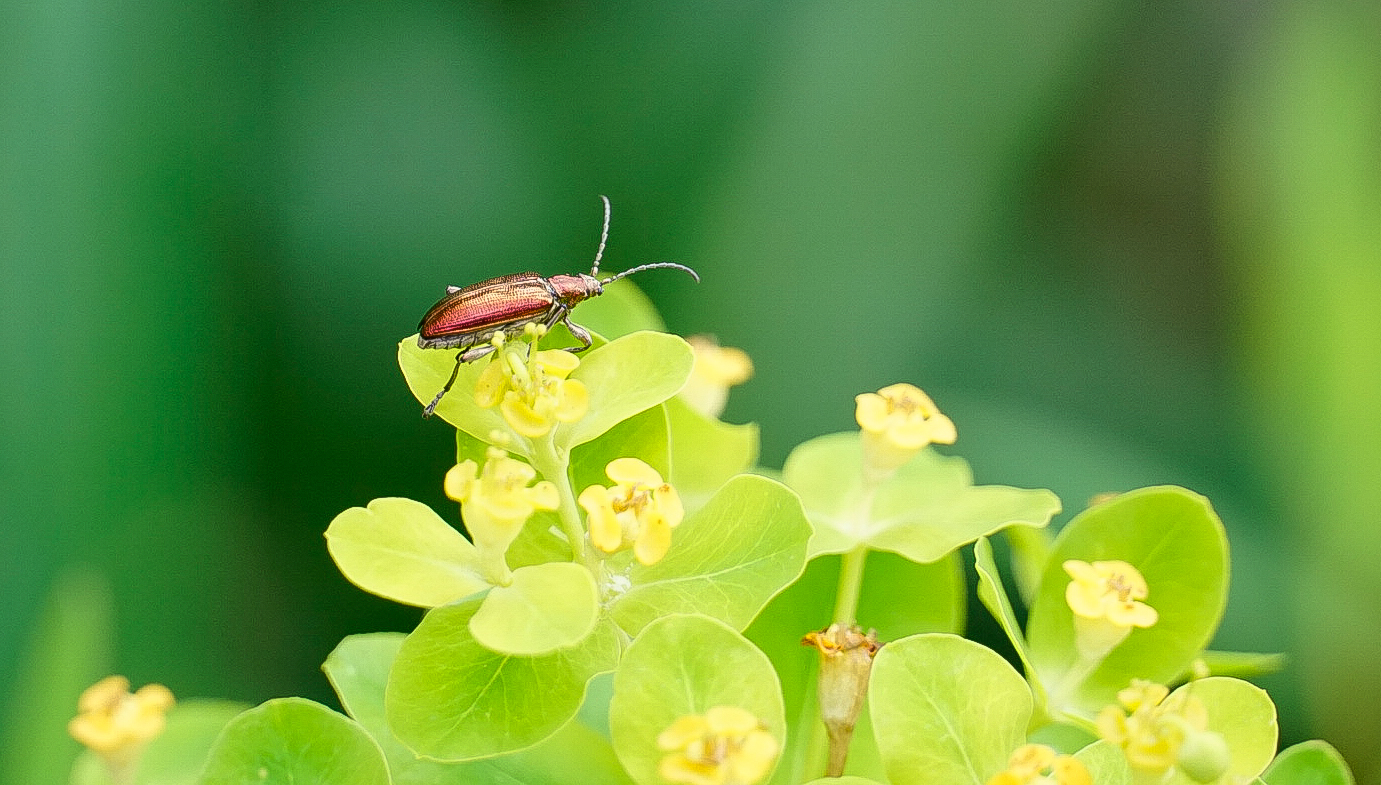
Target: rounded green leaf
[(450, 698), (1245, 716), (1309, 763), (726, 561), (643, 436), (402, 550), (945, 709), (927, 509), (1106, 763), (1174, 538), (358, 670), (707, 452), (681, 665), (293, 741), (626, 376), (546, 607)]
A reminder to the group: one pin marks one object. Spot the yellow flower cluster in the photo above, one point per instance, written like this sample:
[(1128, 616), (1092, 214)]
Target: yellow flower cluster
[(495, 502), (1110, 590), (1037, 764), (726, 745), (716, 369), (531, 389), (639, 510), (115, 723), (898, 421), (1156, 734)]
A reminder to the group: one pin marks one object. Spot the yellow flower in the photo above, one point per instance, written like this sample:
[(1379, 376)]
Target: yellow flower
[(115, 723), (495, 502), (640, 509), (531, 389), (1110, 590), (1037, 764), (1157, 734), (898, 421), (716, 369), (726, 745)]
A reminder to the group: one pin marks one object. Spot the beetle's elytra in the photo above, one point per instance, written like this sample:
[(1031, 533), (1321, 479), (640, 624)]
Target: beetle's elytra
[(468, 318)]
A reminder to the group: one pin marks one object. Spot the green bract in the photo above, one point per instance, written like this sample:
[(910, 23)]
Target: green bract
[(929, 507), (547, 607), (1173, 537), (292, 740), (402, 550), (684, 665)]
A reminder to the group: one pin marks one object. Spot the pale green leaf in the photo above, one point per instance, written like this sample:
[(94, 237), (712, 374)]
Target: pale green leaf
[(681, 665), (928, 508), (450, 698), (994, 597), (726, 561), (1173, 537), (946, 709), (707, 452), (358, 670), (626, 376), (546, 607), (293, 741), (1309, 763), (1245, 716), (402, 550), (1106, 763)]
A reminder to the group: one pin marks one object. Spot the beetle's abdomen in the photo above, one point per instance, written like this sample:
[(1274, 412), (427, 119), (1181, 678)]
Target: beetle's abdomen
[(471, 315)]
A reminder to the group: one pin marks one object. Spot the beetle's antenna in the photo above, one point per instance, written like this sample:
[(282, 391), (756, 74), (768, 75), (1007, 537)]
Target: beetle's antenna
[(651, 266), (603, 238)]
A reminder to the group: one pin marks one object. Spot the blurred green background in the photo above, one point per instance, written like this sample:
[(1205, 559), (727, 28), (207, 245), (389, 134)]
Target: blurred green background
[(1120, 244)]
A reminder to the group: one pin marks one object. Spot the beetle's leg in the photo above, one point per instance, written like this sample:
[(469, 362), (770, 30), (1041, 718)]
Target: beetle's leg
[(431, 407), (581, 334)]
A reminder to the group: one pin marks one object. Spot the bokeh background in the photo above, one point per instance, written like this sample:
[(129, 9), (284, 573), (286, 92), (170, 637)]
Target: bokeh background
[(1119, 243)]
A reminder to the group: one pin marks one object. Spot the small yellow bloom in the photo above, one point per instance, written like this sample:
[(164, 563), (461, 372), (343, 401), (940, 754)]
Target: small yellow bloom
[(1157, 734), (495, 502), (726, 745), (115, 723), (898, 421), (640, 509), (1037, 764), (716, 369), (531, 389), (1110, 590)]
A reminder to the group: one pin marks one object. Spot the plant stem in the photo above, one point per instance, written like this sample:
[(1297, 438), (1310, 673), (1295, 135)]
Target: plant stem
[(554, 466), (850, 585)]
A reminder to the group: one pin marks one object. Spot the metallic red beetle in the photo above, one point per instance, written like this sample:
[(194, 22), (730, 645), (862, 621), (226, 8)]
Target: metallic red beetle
[(468, 318)]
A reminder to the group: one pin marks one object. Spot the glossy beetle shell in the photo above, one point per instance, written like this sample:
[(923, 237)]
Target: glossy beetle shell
[(471, 315)]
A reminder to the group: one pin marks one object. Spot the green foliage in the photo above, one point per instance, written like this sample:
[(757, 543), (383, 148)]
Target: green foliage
[(292, 741), (631, 580)]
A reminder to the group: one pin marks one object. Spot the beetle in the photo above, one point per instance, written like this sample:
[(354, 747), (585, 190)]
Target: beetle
[(468, 318)]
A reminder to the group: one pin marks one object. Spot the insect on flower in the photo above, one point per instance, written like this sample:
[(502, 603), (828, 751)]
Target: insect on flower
[(469, 318)]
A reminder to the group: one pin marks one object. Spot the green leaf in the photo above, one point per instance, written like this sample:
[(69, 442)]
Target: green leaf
[(726, 561), (643, 436), (946, 709), (358, 670), (177, 755), (1243, 664), (547, 607), (935, 598), (681, 665), (451, 699), (847, 779), (994, 597), (1244, 714), (1106, 763), (707, 452), (426, 372), (293, 741), (626, 376), (927, 509), (402, 550), (1309, 763), (1030, 552), (1173, 537)]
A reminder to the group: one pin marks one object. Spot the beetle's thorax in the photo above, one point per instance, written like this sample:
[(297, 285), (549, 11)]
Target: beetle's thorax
[(571, 289)]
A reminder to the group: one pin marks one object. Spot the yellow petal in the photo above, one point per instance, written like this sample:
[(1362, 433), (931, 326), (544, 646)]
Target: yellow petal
[(631, 471), (544, 496), (492, 384), (682, 732), (557, 362), (755, 757), (574, 401), (605, 531), (654, 541), (669, 505), (521, 417), (459, 480), (731, 721), (871, 412)]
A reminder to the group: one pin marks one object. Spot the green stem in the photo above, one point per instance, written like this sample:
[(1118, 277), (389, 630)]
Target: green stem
[(850, 585), (554, 466)]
